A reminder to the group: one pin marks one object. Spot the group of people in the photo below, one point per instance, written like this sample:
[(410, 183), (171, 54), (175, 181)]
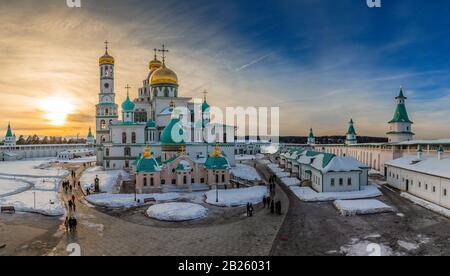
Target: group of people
[(67, 186), (71, 224), (272, 205)]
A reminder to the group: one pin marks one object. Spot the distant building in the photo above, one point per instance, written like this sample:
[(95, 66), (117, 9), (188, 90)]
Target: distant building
[(311, 137), (400, 125), (90, 139), (10, 138), (351, 134)]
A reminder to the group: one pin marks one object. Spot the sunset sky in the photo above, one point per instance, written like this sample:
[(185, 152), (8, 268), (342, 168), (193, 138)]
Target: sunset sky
[(322, 62)]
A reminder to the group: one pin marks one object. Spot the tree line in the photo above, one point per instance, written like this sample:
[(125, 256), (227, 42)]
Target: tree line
[(48, 140)]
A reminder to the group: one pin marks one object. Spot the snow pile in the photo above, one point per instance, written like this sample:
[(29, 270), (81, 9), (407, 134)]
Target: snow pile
[(366, 248), (309, 195), (82, 160), (245, 172), (428, 205), (11, 187), (177, 211), (361, 207), (290, 181), (237, 197), (108, 179), (127, 200), (282, 174), (409, 246), (47, 203), (30, 168)]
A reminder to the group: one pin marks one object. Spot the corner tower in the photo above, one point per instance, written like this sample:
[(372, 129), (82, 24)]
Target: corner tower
[(400, 126), (351, 134)]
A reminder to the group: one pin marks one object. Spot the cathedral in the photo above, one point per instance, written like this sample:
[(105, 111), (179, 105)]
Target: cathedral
[(161, 127)]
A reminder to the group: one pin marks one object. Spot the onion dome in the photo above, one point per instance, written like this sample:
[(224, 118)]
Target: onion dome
[(164, 75), (128, 105), (147, 164), (106, 59), (217, 161), (151, 124)]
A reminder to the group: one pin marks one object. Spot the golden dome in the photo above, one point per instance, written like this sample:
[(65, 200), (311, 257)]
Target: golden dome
[(164, 75), (106, 58), (154, 64)]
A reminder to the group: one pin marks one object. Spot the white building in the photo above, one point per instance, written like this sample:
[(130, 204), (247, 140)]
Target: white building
[(326, 172), (424, 176), (400, 125)]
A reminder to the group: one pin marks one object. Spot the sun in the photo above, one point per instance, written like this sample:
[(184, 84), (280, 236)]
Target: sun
[(56, 109)]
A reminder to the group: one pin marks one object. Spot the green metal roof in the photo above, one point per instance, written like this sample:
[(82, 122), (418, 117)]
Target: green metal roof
[(351, 128), (151, 124), (205, 106), (401, 115), (90, 134), (128, 105), (311, 134), (9, 132), (216, 163), (147, 165), (166, 135)]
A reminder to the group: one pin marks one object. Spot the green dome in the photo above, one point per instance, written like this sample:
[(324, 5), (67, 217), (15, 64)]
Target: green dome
[(205, 106), (147, 165), (128, 105), (166, 135), (217, 163), (151, 124)]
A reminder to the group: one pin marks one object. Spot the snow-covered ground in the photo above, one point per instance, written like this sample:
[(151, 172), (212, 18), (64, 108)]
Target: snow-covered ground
[(11, 186), (47, 203), (177, 211), (237, 197), (82, 160), (245, 172), (108, 179), (35, 185), (282, 174), (428, 205), (290, 181), (366, 248), (127, 200), (361, 207), (30, 168), (309, 195)]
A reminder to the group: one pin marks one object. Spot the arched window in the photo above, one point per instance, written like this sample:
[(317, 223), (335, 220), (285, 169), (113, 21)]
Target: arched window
[(107, 152), (102, 124), (124, 137), (217, 178), (223, 178), (133, 138), (127, 151), (106, 111), (145, 181)]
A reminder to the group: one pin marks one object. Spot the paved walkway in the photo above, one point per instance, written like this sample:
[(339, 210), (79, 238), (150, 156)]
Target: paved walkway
[(315, 229), (101, 234)]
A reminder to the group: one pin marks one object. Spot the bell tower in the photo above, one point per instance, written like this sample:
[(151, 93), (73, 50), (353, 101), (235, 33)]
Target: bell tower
[(106, 109)]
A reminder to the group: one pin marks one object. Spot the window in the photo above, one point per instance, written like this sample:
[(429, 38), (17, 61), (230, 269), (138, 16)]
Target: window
[(127, 164), (217, 178), (145, 181), (107, 152), (133, 138), (445, 192), (127, 151), (102, 124), (223, 178), (174, 181), (184, 180), (124, 137), (106, 111), (426, 186), (163, 182), (332, 181), (152, 182), (420, 184), (202, 180), (434, 189), (341, 181), (349, 181)]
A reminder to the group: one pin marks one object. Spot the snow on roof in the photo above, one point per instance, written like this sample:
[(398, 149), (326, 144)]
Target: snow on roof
[(325, 162), (426, 142), (428, 165)]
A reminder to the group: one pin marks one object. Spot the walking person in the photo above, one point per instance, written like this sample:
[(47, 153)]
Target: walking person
[(251, 210), (248, 209), (264, 201), (73, 198), (66, 224), (268, 202), (272, 207), (70, 205)]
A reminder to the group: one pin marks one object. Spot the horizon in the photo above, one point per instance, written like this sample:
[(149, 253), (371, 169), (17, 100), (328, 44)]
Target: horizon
[(49, 80)]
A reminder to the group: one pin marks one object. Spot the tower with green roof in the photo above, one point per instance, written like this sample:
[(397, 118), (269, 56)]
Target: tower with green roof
[(351, 134), (10, 138), (311, 137), (400, 126), (90, 139)]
